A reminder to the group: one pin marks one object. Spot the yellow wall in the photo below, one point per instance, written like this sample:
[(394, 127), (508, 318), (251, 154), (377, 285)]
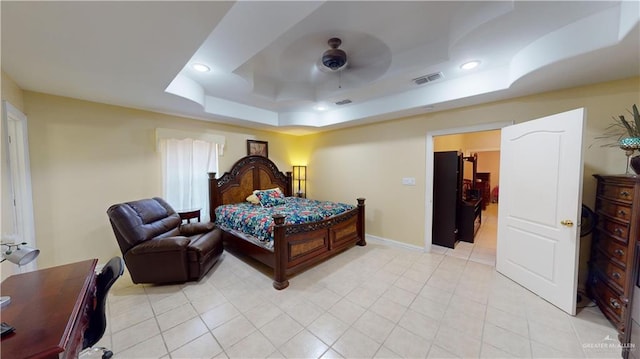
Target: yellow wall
[(11, 92), (87, 156)]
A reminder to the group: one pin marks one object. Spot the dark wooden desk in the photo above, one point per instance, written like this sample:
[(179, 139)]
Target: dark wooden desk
[(49, 309)]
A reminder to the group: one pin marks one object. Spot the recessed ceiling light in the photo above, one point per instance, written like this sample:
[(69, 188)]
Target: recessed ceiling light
[(320, 107), (470, 65), (201, 67)]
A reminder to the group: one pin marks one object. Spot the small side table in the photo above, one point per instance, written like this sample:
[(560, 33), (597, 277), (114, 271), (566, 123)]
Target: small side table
[(189, 214)]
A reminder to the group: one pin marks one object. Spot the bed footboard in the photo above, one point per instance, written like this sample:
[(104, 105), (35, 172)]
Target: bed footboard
[(300, 246)]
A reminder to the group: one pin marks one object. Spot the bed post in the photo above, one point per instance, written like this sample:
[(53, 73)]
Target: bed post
[(360, 230), (213, 196), (280, 250)]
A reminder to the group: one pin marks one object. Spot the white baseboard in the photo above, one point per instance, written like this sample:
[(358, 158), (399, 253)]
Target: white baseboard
[(392, 243)]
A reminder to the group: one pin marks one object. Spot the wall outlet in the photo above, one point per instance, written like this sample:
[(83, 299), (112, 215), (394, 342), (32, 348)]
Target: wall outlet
[(409, 181)]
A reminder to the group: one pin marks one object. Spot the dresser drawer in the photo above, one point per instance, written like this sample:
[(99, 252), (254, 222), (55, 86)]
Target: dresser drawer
[(616, 210), (618, 192), (613, 273), (613, 249), (609, 301), (614, 228)]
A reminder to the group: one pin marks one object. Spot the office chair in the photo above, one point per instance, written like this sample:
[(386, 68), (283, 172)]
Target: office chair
[(98, 318)]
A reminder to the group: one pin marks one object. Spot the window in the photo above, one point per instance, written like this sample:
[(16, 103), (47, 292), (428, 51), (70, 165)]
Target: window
[(186, 160)]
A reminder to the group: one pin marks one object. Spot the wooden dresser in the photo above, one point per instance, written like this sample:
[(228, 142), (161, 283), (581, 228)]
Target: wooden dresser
[(612, 269)]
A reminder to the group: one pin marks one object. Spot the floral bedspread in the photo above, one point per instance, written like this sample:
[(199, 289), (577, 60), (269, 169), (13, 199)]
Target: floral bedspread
[(257, 221)]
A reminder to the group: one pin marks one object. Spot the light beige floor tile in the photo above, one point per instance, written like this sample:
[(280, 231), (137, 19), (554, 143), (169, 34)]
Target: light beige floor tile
[(362, 296), (233, 331), (303, 345), (507, 341), (166, 303), (202, 347), (184, 333), (262, 315), (122, 320), (328, 328), (374, 326), (386, 353), (467, 306), (256, 345), (204, 304), (419, 324), (219, 315), (399, 295), (510, 322), (407, 344), (465, 324), (429, 308), (436, 295), (488, 351), (460, 345), (347, 311), (539, 350), (409, 285), (150, 348), (354, 344), (305, 313), (331, 354), (135, 334), (281, 329), (325, 298), (388, 309), (557, 339), (175, 316), (435, 352)]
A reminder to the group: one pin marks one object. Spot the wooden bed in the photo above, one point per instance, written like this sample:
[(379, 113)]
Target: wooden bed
[(295, 247)]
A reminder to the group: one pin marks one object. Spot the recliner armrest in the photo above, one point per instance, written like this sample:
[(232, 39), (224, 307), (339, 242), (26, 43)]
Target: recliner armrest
[(166, 244), (190, 229)]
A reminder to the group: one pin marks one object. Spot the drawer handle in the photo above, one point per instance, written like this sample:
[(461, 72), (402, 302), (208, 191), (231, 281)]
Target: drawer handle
[(615, 275), (624, 194), (614, 303), (618, 231), (622, 212), (619, 252)]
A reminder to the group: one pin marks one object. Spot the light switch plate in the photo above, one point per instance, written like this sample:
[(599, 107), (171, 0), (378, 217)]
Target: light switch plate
[(409, 181)]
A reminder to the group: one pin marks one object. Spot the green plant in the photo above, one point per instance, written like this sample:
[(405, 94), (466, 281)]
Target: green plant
[(623, 128)]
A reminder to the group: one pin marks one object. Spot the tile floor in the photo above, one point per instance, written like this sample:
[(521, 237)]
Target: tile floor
[(376, 301)]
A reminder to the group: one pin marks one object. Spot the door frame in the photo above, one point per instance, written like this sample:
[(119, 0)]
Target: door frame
[(15, 153), (428, 223)]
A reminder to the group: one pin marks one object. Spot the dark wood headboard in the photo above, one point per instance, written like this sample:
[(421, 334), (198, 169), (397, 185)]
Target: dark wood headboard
[(246, 175)]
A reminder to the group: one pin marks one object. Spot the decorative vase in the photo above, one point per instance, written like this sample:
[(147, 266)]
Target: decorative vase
[(630, 145), (634, 162)]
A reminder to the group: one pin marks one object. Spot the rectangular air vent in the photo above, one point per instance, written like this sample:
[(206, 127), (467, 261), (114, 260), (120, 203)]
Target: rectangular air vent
[(428, 78), (343, 102)]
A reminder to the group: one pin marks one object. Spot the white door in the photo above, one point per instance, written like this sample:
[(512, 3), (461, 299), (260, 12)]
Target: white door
[(540, 201)]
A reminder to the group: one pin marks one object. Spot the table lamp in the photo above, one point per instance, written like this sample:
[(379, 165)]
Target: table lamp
[(19, 254)]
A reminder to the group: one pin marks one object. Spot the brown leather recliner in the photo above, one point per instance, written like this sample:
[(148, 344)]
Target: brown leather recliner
[(158, 248)]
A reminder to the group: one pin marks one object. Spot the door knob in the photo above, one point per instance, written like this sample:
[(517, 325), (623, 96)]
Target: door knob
[(567, 222)]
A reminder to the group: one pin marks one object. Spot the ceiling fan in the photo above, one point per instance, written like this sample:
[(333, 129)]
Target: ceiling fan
[(334, 59)]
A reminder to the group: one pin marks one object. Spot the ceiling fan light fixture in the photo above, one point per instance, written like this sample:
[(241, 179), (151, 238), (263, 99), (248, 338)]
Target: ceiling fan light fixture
[(334, 58)]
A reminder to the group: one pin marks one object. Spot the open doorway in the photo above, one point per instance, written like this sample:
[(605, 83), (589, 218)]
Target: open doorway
[(483, 143)]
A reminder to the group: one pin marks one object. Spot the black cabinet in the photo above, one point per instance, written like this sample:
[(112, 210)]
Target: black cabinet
[(447, 187), (469, 219)]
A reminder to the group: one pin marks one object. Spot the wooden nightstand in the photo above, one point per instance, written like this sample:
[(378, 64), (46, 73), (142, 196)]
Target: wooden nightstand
[(189, 214)]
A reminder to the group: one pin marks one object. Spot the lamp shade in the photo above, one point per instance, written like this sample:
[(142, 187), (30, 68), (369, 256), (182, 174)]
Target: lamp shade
[(22, 255)]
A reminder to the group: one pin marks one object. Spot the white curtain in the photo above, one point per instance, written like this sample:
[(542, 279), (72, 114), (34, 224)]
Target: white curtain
[(186, 163)]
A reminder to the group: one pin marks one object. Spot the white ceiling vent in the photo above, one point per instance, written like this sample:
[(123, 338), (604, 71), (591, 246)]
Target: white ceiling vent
[(428, 78), (343, 102)]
